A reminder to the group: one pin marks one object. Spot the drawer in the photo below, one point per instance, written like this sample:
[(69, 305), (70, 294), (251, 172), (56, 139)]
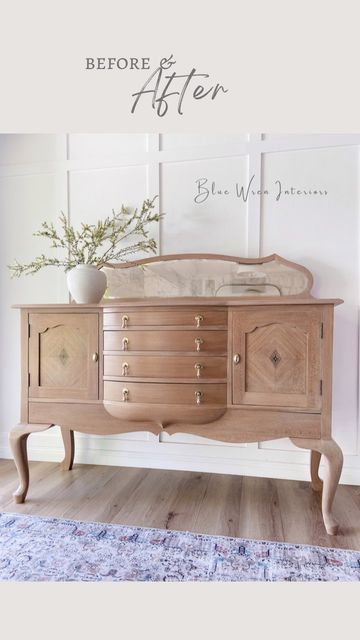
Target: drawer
[(189, 341), (167, 393), (149, 366), (166, 317)]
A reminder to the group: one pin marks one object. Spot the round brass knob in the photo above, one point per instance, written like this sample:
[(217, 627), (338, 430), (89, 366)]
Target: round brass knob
[(95, 357), (236, 358)]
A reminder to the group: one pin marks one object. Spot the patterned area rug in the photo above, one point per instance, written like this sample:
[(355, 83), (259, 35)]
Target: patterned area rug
[(40, 549)]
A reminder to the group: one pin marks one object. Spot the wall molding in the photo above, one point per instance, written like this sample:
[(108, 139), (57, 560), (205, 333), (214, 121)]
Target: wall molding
[(255, 144)]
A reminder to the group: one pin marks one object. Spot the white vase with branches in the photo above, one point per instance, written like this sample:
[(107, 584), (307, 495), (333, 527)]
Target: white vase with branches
[(86, 250)]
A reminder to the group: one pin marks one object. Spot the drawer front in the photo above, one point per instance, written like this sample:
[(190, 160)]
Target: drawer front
[(189, 341), (172, 317), (167, 393), (148, 366)]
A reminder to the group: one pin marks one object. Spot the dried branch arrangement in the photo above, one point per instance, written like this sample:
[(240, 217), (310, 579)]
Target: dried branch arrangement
[(110, 240)]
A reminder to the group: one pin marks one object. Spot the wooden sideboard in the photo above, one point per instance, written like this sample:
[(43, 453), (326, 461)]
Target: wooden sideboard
[(237, 368)]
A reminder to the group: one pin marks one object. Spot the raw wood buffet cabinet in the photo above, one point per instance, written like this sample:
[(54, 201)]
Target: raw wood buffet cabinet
[(232, 349)]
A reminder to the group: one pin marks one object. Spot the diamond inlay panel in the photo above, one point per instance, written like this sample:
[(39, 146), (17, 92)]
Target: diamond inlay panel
[(64, 356), (266, 371)]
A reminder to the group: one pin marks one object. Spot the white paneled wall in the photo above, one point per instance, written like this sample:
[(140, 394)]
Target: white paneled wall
[(88, 175), (202, 227), (322, 232)]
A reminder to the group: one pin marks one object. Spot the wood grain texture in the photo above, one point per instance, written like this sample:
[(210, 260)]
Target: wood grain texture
[(252, 424), (88, 418), (18, 443), (326, 370), (282, 510), (276, 359), (198, 341), (111, 305), (316, 482), (160, 366), (24, 338), (280, 357), (69, 447), (201, 317), (333, 466), (61, 350), (237, 425), (197, 394)]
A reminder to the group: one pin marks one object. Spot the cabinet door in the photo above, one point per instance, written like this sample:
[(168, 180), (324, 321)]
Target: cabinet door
[(63, 356), (277, 357)]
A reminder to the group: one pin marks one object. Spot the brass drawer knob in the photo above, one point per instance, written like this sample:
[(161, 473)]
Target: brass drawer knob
[(125, 395), (95, 357), (124, 322), (198, 320), (198, 368), (236, 358), (125, 344), (198, 343), (125, 369), (198, 397)]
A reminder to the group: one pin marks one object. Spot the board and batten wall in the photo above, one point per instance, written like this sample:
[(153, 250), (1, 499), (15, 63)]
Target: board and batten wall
[(87, 176)]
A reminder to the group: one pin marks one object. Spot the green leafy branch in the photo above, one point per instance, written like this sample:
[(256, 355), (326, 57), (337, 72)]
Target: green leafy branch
[(96, 244)]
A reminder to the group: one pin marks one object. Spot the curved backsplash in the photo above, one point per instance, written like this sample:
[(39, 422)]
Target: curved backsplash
[(222, 276)]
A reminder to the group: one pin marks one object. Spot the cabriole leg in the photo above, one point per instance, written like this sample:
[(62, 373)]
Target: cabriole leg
[(316, 482), (18, 440), (333, 466), (69, 446)]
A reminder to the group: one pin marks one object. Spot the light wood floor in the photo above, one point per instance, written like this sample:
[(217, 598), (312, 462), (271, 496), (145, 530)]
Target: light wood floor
[(227, 505)]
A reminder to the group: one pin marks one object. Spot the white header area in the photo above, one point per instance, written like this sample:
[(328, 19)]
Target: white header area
[(115, 67)]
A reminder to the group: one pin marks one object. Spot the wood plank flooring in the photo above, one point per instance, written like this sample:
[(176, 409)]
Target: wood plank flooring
[(260, 508)]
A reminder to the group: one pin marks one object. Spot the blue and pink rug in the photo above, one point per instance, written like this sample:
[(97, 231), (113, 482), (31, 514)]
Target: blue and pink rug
[(40, 549)]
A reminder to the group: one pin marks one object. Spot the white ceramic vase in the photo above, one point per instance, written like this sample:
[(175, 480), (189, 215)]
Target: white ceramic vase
[(86, 283)]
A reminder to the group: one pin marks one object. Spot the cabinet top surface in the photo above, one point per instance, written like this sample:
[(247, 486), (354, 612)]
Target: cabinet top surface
[(176, 302)]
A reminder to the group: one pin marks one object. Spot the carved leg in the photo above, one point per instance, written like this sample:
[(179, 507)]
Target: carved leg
[(18, 439), (316, 482), (69, 446), (334, 461)]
